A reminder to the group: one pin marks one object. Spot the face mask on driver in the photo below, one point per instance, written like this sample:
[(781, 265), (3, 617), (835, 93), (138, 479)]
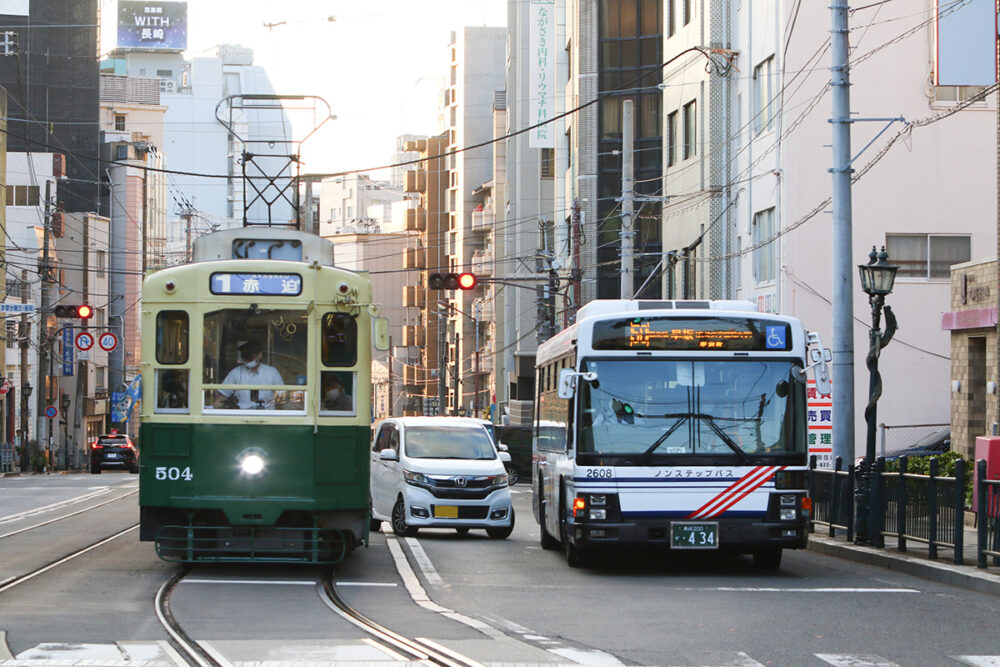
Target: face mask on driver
[(252, 364), (333, 394)]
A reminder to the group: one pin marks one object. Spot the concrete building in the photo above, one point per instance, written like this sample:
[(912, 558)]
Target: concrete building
[(355, 202), (194, 93)]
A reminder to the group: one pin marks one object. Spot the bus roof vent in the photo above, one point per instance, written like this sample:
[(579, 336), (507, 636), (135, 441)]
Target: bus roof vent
[(699, 305)]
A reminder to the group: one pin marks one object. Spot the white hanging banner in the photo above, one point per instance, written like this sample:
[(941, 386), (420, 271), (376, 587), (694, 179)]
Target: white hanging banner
[(542, 74)]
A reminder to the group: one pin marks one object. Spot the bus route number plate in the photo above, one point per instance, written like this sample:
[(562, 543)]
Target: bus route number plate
[(694, 535)]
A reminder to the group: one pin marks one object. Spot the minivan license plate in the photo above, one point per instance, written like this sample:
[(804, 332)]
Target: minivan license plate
[(445, 512), (694, 535)]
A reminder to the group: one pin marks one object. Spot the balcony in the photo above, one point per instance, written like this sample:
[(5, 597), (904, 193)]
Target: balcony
[(482, 263), (416, 219), (414, 296), (482, 220), (413, 258), (416, 181), (414, 376), (414, 335)]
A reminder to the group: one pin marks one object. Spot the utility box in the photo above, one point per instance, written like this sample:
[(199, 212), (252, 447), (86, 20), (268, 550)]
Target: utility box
[(987, 448)]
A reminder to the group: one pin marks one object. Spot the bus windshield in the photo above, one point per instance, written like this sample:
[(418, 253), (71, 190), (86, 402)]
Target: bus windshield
[(657, 409)]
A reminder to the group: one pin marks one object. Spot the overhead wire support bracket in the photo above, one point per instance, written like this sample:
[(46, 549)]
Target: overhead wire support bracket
[(888, 123)]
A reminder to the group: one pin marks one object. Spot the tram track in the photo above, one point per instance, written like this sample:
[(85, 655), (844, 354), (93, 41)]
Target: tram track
[(402, 647), (18, 517)]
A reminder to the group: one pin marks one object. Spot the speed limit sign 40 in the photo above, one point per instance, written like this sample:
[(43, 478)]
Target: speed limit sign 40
[(108, 341)]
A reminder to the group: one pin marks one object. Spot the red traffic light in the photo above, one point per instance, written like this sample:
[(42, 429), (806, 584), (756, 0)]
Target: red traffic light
[(467, 281), (84, 312)]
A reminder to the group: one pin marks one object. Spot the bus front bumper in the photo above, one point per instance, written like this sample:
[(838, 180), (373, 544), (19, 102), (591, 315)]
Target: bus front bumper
[(741, 535)]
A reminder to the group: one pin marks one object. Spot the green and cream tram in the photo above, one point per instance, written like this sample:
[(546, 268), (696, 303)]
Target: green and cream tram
[(674, 423), (256, 360)]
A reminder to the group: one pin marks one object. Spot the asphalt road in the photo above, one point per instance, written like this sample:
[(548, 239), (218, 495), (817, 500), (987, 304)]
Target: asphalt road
[(494, 600)]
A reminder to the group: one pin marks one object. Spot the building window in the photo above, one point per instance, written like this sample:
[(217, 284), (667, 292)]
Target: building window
[(927, 255), (100, 262), (22, 195), (548, 159), (119, 123), (671, 138), (763, 77), (764, 243), (690, 129), (671, 9), (958, 93), (688, 11)]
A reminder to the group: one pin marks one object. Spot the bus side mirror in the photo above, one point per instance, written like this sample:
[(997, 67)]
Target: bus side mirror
[(819, 357), (567, 383), (380, 333)]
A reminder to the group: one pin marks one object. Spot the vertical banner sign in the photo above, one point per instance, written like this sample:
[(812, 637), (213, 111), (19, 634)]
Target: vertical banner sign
[(67, 352), (123, 402), (542, 73), (819, 420)]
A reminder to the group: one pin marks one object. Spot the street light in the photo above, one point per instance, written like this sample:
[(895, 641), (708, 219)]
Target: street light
[(877, 277)]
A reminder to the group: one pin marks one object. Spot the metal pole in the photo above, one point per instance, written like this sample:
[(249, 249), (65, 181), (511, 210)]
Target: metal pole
[(388, 410), (475, 372), (458, 369), (843, 303), (442, 361), (25, 335), (628, 185), (45, 274)]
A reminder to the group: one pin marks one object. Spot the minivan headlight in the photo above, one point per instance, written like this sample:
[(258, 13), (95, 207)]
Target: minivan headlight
[(498, 481), (415, 478)]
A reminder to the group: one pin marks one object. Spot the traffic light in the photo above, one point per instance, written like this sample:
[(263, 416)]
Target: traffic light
[(452, 281), (82, 311)]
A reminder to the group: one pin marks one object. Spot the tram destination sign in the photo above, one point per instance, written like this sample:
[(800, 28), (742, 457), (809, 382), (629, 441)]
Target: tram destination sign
[(707, 334), (267, 284)]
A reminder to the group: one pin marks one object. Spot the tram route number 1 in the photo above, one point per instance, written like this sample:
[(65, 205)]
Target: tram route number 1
[(174, 474)]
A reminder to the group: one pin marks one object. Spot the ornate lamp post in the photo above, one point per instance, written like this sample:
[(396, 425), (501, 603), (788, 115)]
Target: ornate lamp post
[(877, 277)]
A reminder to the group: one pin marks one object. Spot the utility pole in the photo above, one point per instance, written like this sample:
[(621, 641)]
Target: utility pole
[(458, 371), (388, 411), (843, 298), (79, 432), (45, 274), (575, 275), (628, 186), (475, 371), (24, 335), (442, 360)]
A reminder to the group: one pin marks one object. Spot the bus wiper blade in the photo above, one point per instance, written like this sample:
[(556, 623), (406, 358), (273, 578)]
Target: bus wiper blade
[(663, 438), (724, 437)]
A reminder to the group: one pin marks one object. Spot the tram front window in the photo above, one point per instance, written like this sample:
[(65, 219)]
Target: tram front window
[(252, 356), (654, 409)]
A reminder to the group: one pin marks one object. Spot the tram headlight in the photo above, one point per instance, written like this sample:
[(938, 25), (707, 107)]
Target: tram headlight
[(252, 462)]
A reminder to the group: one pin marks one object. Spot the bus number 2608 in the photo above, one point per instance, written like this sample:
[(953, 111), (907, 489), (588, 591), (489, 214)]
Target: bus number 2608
[(600, 472), (174, 474)]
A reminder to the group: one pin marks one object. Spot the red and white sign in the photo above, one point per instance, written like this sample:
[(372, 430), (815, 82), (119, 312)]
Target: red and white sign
[(820, 425), (108, 341), (4, 386), (84, 341)]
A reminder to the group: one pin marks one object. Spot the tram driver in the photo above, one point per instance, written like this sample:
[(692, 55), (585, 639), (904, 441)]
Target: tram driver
[(251, 371)]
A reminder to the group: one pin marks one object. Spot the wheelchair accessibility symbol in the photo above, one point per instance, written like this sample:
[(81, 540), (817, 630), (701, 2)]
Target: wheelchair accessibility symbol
[(775, 338)]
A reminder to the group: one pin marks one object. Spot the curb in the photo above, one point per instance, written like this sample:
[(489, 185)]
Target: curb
[(960, 576)]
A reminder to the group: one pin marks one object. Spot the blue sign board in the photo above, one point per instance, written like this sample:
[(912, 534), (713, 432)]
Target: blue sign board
[(67, 352), (17, 307), (774, 338), (267, 284), (146, 24)]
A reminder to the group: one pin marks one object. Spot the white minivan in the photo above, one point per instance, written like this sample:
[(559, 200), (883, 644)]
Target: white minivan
[(439, 472)]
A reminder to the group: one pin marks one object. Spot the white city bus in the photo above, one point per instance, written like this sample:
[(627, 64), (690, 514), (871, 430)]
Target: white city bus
[(674, 423)]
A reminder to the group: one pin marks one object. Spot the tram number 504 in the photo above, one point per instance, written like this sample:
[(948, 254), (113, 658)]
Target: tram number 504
[(174, 474)]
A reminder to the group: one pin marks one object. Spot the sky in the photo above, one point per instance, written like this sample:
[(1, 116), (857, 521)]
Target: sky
[(379, 65)]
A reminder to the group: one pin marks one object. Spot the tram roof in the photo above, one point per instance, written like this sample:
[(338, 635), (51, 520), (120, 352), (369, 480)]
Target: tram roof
[(223, 244)]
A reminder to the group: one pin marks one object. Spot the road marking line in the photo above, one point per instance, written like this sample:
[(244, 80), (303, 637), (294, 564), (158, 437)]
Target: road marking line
[(54, 506), (424, 562), (979, 660), (218, 657), (848, 660), (385, 649), (761, 589), (595, 658)]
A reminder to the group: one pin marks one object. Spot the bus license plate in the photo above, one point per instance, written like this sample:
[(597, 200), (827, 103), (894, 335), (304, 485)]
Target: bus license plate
[(445, 512), (694, 535)]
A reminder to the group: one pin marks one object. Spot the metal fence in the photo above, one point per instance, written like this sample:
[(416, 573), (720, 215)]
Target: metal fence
[(929, 509), (893, 438)]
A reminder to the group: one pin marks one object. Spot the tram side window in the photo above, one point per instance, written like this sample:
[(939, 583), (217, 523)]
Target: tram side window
[(337, 393), (172, 389), (172, 337), (339, 340)]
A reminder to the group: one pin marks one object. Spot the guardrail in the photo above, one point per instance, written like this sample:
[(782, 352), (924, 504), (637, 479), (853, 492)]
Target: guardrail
[(929, 509)]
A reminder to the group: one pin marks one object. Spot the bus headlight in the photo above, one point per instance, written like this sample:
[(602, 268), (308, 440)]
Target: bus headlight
[(252, 462)]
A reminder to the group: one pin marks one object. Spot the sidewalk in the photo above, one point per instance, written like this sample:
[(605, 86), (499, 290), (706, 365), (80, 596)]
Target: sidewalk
[(914, 561)]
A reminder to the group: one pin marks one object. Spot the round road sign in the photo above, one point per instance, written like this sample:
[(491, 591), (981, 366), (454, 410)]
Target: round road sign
[(51, 412), (4, 386), (84, 341), (108, 341)]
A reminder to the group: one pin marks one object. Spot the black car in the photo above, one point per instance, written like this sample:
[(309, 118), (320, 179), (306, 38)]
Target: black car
[(934, 443), (518, 442), (115, 452)]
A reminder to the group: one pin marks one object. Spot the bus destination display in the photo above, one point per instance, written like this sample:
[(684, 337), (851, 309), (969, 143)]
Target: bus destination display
[(266, 284), (692, 333)]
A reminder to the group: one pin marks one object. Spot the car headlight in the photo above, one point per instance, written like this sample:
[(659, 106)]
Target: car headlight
[(415, 478), (498, 481)]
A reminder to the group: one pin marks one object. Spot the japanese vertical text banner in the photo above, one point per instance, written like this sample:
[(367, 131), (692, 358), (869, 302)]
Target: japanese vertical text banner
[(542, 73), (820, 426)]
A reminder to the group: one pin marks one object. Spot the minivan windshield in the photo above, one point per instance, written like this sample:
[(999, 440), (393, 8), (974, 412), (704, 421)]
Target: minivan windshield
[(447, 442)]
